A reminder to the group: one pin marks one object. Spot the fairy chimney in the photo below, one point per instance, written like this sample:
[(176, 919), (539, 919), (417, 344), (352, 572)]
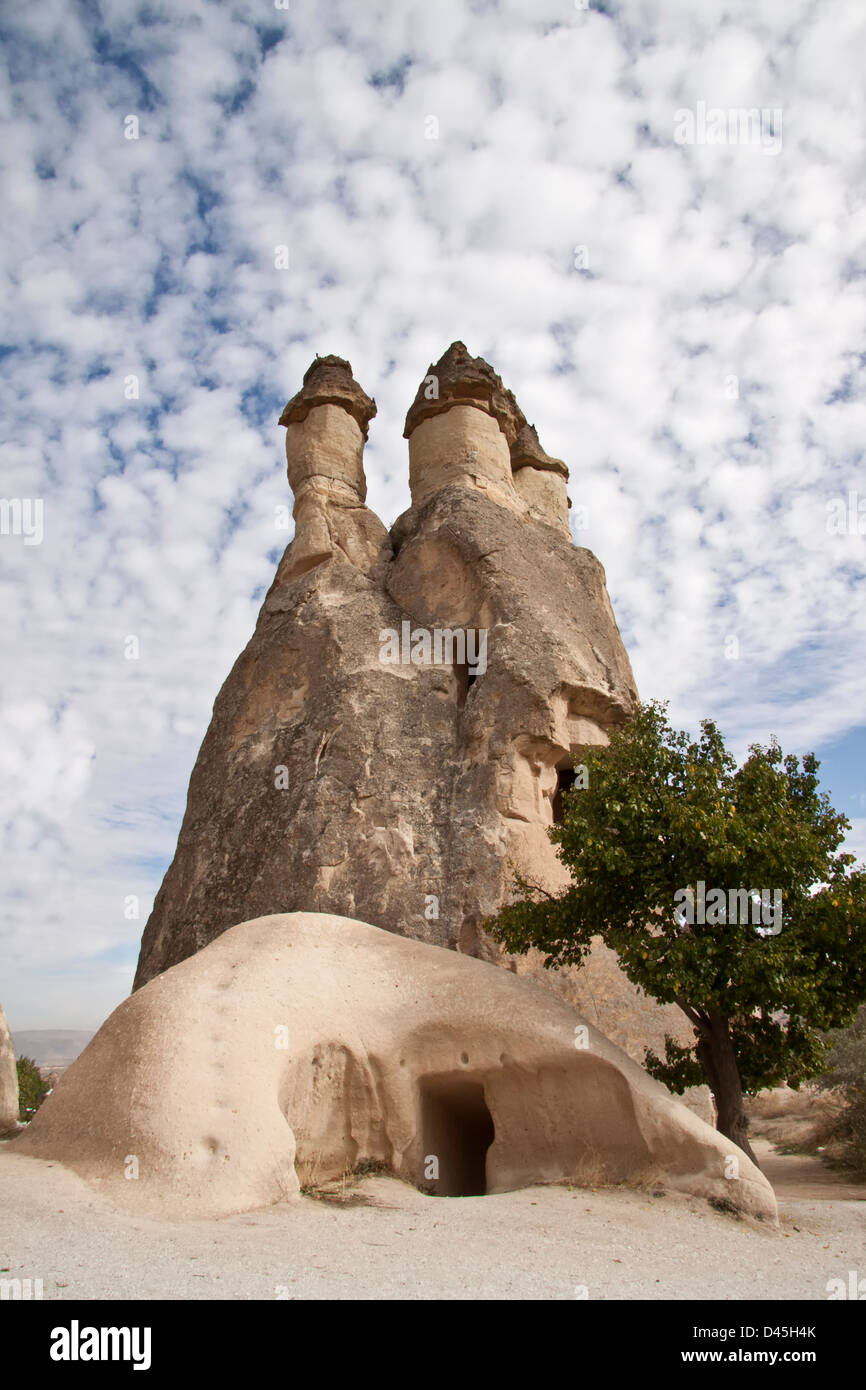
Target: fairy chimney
[(326, 430), (365, 757)]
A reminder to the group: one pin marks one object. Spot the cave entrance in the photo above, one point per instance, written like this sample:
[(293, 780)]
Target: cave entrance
[(456, 1130)]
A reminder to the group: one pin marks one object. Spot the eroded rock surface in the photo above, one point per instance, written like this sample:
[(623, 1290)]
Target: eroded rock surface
[(312, 1043)]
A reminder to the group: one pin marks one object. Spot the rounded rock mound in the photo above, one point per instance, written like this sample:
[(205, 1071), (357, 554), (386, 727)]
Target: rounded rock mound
[(298, 1046)]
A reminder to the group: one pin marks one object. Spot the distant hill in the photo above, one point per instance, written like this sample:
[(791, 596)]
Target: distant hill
[(51, 1047)]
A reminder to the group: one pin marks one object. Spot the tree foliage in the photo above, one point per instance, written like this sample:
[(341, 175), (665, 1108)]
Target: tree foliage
[(662, 812), (32, 1089)]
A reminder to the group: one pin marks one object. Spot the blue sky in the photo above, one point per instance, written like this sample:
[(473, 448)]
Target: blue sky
[(683, 322)]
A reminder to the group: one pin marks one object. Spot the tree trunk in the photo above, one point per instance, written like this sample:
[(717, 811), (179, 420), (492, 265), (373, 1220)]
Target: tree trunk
[(716, 1055)]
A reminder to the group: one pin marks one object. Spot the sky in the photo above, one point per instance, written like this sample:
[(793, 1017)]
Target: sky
[(199, 197)]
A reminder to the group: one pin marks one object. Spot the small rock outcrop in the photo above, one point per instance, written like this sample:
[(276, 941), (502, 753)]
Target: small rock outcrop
[(540, 480), (8, 1079), (312, 1044)]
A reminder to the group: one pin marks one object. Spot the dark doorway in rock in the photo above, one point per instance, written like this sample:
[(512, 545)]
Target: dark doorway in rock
[(465, 677), (565, 779), (457, 1130)]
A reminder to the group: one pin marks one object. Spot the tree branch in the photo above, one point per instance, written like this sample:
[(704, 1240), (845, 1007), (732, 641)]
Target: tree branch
[(693, 1015), (535, 887)]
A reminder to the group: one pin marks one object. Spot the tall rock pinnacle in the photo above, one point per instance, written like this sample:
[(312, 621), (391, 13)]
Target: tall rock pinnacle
[(465, 428), (392, 742), (326, 429)]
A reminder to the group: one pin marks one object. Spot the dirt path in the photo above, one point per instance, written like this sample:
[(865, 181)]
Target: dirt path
[(800, 1177)]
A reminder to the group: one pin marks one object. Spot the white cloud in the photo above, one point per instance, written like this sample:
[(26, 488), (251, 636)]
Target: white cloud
[(155, 257)]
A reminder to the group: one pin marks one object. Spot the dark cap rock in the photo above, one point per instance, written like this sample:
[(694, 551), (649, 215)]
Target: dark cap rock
[(526, 452), (465, 380), (329, 381)]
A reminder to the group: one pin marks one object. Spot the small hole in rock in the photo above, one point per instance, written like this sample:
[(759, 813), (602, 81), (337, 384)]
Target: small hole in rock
[(565, 779)]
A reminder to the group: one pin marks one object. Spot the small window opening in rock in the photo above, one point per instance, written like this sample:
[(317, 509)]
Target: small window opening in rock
[(457, 1130), (565, 779), (465, 679)]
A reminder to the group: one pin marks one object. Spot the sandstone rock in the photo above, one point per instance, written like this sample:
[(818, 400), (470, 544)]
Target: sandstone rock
[(326, 428), (8, 1079), (540, 481), (296, 1047), (407, 794), (462, 447), (402, 782)]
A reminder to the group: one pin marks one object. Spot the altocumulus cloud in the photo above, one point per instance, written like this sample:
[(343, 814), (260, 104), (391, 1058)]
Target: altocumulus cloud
[(683, 321)]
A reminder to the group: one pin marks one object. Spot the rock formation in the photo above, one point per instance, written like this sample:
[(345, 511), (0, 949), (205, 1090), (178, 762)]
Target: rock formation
[(8, 1079), (293, 1048), (348, 770)]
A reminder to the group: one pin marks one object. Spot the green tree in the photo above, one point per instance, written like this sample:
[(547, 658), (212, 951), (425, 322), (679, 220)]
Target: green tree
[(32, 1090), (662, 822)]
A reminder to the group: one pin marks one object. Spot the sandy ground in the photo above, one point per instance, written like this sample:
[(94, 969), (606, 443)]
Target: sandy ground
[(540, 1243)]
